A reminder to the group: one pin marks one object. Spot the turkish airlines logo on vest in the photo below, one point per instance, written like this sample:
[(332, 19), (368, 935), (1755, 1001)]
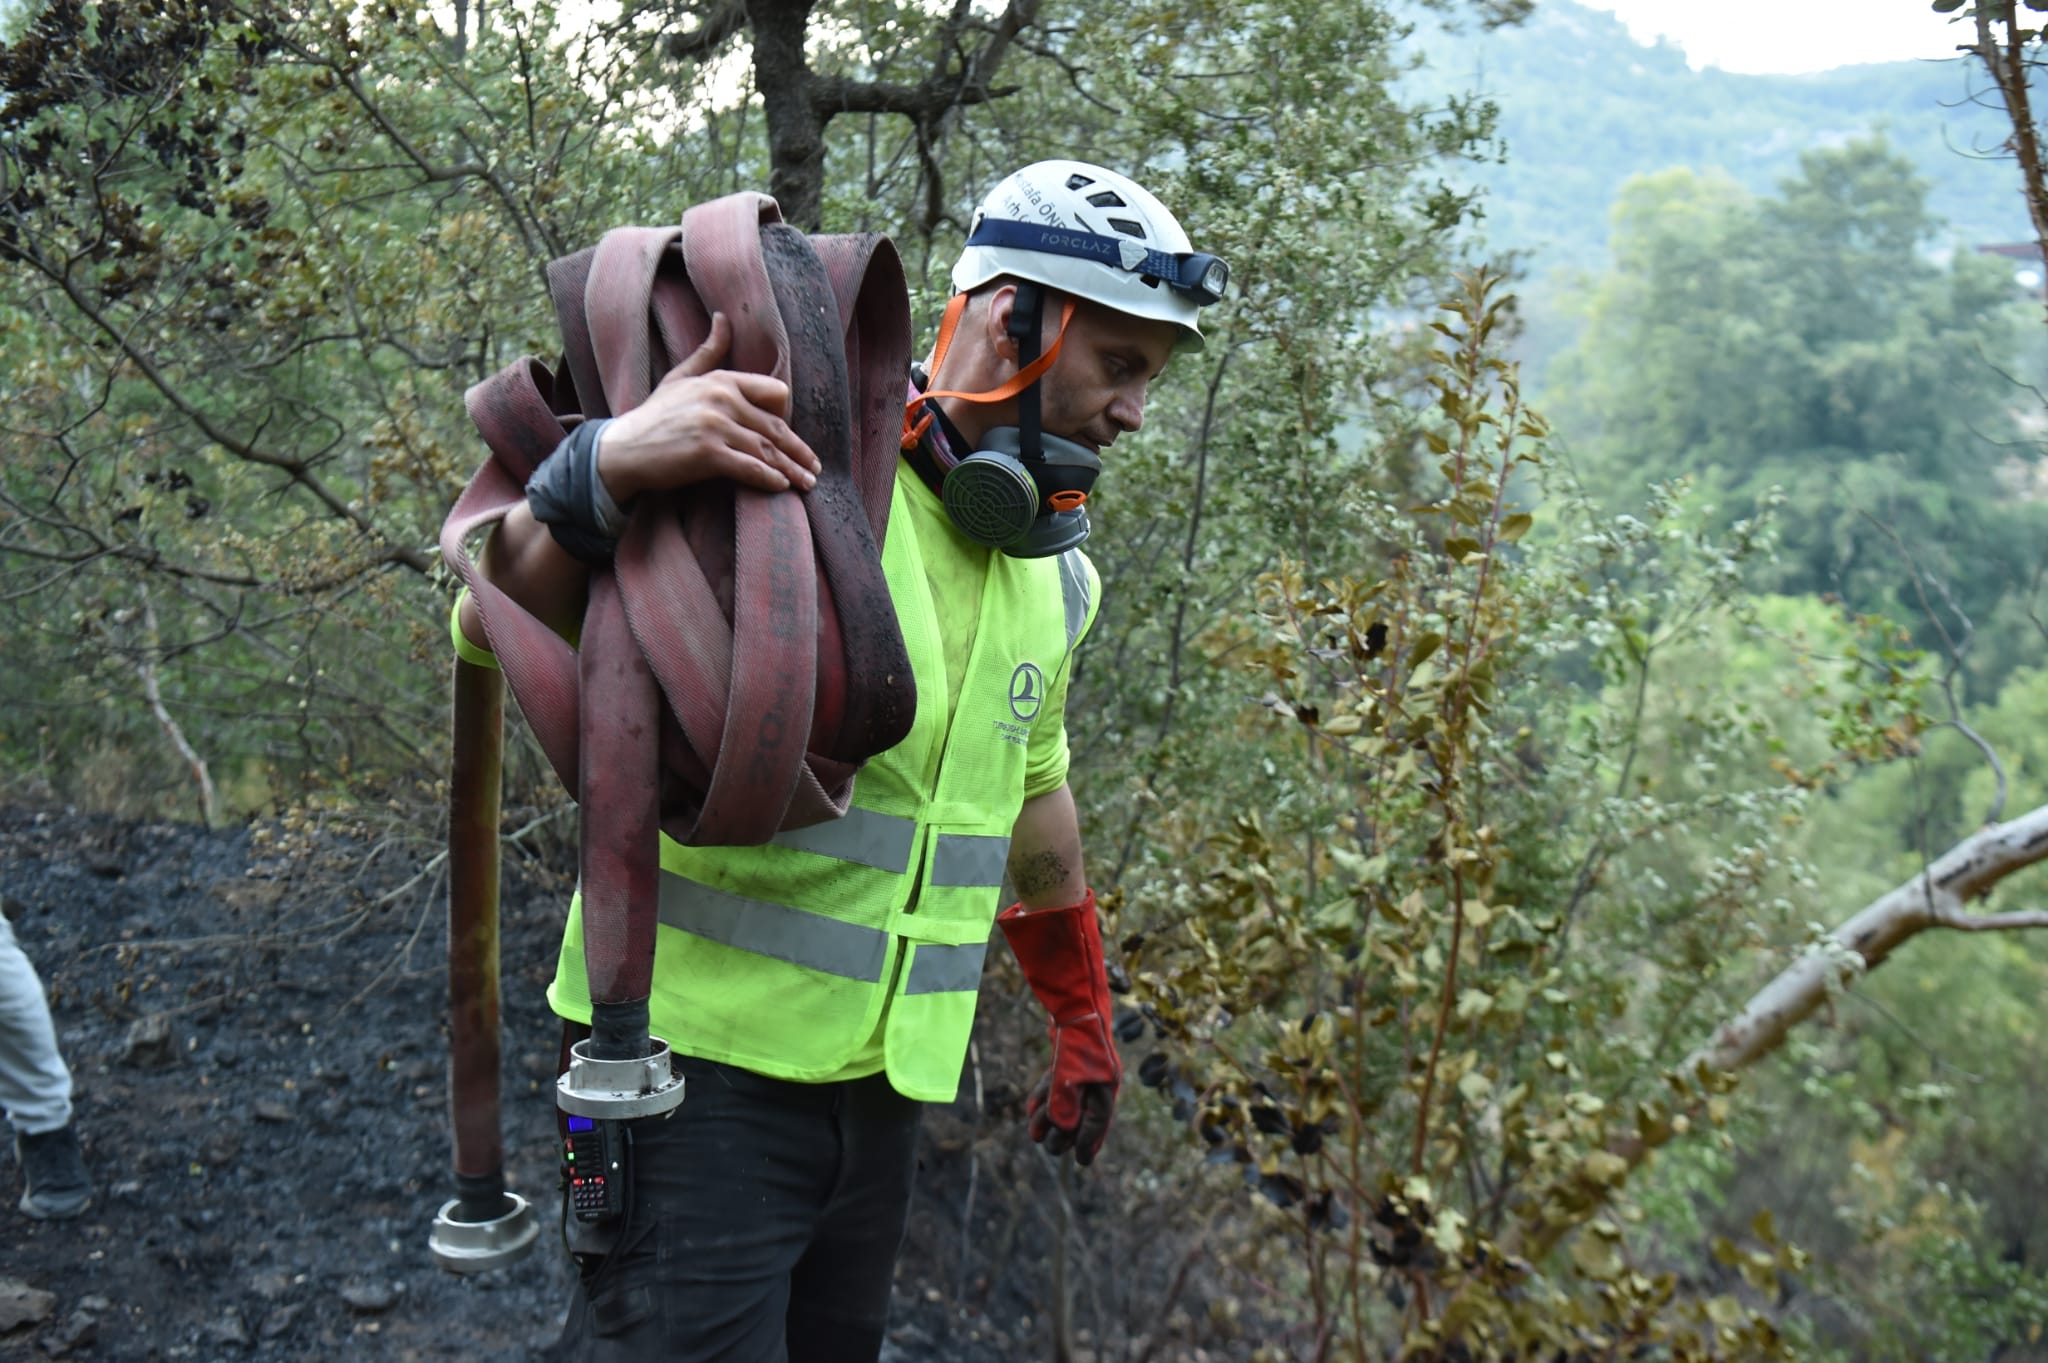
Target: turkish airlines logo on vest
[(1027, 691), (1027, 694)]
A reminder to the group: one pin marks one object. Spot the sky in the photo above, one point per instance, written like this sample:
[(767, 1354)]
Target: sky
[(1791, 36)]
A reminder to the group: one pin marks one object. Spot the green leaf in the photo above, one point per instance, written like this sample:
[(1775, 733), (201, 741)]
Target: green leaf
[(1760, 1270), (1335, 916), (1447, 1232), (1604, 1168), (1597, 1258), (1361, 868)]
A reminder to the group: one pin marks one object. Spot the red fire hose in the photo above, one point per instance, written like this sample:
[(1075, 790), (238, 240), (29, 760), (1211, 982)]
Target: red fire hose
[(741, 658)]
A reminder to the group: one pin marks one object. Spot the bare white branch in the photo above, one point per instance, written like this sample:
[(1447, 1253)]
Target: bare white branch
[(1933, 899)]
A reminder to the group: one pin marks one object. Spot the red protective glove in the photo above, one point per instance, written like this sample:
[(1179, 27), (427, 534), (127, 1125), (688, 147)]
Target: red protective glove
[(1061, 952)]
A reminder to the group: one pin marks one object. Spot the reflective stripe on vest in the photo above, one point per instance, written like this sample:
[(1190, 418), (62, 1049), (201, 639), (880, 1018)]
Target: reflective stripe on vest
[(829, 945), (945, 970), (966, 859), (810, 940), (883, 842), (862, 837)]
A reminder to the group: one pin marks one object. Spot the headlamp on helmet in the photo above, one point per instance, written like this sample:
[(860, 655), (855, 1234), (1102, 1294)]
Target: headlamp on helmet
[(1094, 234), (1197, 276)]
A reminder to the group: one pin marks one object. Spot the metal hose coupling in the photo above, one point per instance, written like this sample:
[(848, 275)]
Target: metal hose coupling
[(619, 1072), (486, 1227)]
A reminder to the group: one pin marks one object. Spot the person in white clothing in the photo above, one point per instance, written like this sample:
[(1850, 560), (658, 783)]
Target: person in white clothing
[(35, 1090)]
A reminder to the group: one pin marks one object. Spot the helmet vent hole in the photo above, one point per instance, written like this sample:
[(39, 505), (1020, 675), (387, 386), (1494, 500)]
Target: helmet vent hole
[(1078, 182), (1130, 227), (1108, 198)]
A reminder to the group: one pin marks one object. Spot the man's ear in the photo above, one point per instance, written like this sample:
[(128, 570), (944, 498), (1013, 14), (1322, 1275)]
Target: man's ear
[(996, 325)]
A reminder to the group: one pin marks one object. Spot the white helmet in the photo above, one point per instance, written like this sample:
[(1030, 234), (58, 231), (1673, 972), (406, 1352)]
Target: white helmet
[(1094, 234)]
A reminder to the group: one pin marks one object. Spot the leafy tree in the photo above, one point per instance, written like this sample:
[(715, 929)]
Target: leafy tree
[(253, 255), (1391, 992), (242, 411), (1421, 932), (250, 258), (1585, 107), (1807, 342), (1466, 947)]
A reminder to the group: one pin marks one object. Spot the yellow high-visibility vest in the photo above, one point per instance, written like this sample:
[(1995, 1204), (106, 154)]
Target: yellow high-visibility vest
[(782, 958)]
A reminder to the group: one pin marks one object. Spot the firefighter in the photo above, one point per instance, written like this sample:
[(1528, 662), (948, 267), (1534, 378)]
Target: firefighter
[(819, 990)]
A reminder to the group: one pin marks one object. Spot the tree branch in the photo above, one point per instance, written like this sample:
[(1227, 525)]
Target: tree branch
[(1967, 871), (1956, 652), (428, 170), (1176, 637), (715, 28), (921, 102), (1073, 72), (956, 81), (145, 668), (299, 470), (2019, 920), (1933, 899), (152, 560), (1017, 16)]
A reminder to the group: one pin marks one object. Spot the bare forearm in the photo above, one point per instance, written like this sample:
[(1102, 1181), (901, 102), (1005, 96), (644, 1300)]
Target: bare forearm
[(523, 560), (1045, 852)]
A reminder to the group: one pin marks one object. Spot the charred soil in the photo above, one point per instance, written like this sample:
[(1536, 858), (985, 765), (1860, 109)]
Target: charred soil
[(256, 1026)]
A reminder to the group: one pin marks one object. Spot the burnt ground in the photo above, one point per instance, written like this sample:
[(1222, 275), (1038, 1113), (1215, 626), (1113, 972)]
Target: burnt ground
[(255, 1024)]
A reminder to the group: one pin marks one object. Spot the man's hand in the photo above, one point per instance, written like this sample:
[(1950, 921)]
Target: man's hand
[(704, 422), (1061, 953)]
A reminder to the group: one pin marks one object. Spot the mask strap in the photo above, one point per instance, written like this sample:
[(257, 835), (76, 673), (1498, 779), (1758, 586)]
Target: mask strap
[(1027, 314), (917, 422)]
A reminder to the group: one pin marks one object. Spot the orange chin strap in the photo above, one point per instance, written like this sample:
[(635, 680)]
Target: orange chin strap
[(916, 423)]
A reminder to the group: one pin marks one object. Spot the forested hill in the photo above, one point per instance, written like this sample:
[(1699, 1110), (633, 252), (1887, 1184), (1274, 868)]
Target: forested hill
[(1583, 106)]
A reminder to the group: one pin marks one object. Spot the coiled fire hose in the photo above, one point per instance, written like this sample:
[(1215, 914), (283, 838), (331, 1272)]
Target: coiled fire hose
[(741, 657)]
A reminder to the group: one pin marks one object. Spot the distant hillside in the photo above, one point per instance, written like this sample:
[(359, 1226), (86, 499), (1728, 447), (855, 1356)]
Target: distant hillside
[(1584, 106)]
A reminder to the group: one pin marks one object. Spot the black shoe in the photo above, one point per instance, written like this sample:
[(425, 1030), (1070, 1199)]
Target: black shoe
[(53, 1170)]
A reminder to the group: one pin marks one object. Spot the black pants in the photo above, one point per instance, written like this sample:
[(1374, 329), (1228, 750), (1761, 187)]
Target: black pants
[(764, 1223)]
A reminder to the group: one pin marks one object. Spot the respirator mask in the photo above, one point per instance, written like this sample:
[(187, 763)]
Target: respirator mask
[(1022, 491)]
